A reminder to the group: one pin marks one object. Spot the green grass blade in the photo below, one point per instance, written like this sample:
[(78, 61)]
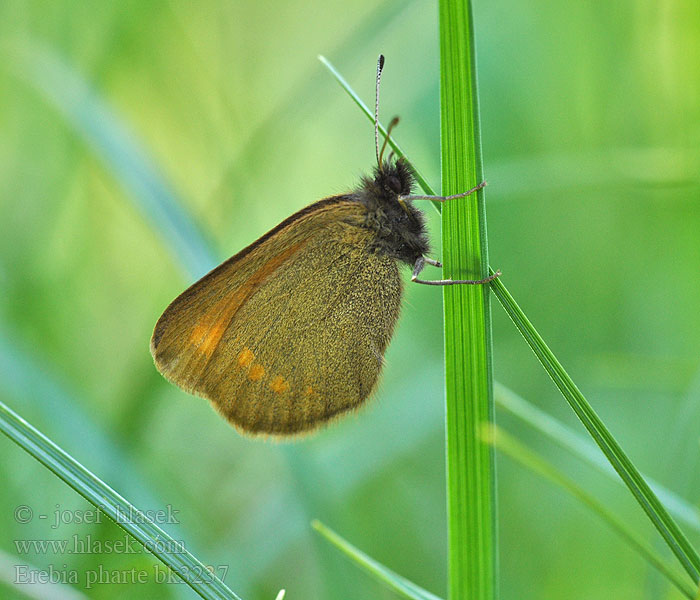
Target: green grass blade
[(392, 580), (575, 443), (471, 505), (120, 151), (526, 457), (98, 493), (650, 503)]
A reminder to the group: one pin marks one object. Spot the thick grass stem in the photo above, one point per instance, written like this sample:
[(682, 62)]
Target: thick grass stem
[(468, 365)]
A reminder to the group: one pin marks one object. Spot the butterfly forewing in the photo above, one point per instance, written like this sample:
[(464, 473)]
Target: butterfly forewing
[(291, 331)]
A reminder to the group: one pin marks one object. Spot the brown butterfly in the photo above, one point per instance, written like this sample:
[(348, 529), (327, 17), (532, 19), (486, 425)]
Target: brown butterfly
[(291, 331)]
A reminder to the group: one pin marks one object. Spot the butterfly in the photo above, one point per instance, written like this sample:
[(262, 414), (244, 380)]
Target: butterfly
[(290, 333)]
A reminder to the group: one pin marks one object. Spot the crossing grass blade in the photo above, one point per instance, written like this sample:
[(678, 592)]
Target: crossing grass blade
[(628, 472)]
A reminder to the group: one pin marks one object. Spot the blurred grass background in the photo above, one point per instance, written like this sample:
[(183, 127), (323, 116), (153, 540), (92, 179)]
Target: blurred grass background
[(591, 129)]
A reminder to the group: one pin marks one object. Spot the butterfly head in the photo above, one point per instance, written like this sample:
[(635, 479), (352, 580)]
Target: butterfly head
[(394, 178)]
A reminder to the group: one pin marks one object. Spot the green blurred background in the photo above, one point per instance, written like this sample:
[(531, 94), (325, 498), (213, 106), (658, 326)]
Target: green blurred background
[(591, 125)]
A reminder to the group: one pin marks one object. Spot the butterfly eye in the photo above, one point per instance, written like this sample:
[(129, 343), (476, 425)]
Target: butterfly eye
[(393, 184)]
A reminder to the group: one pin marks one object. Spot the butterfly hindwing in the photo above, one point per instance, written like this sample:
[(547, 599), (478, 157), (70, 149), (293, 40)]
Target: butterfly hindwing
[(290, 331)]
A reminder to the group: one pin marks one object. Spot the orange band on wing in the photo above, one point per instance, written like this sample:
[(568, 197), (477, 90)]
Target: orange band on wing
[(209, 330)]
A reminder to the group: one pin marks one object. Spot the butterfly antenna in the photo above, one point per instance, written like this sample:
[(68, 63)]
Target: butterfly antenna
[(380, 66), (394, 123)]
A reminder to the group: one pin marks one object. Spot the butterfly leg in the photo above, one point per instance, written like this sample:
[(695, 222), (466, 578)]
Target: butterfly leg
[(422, 260), (445, 198)]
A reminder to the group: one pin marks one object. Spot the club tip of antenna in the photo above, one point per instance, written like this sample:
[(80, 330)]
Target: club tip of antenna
[(380, 62)]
